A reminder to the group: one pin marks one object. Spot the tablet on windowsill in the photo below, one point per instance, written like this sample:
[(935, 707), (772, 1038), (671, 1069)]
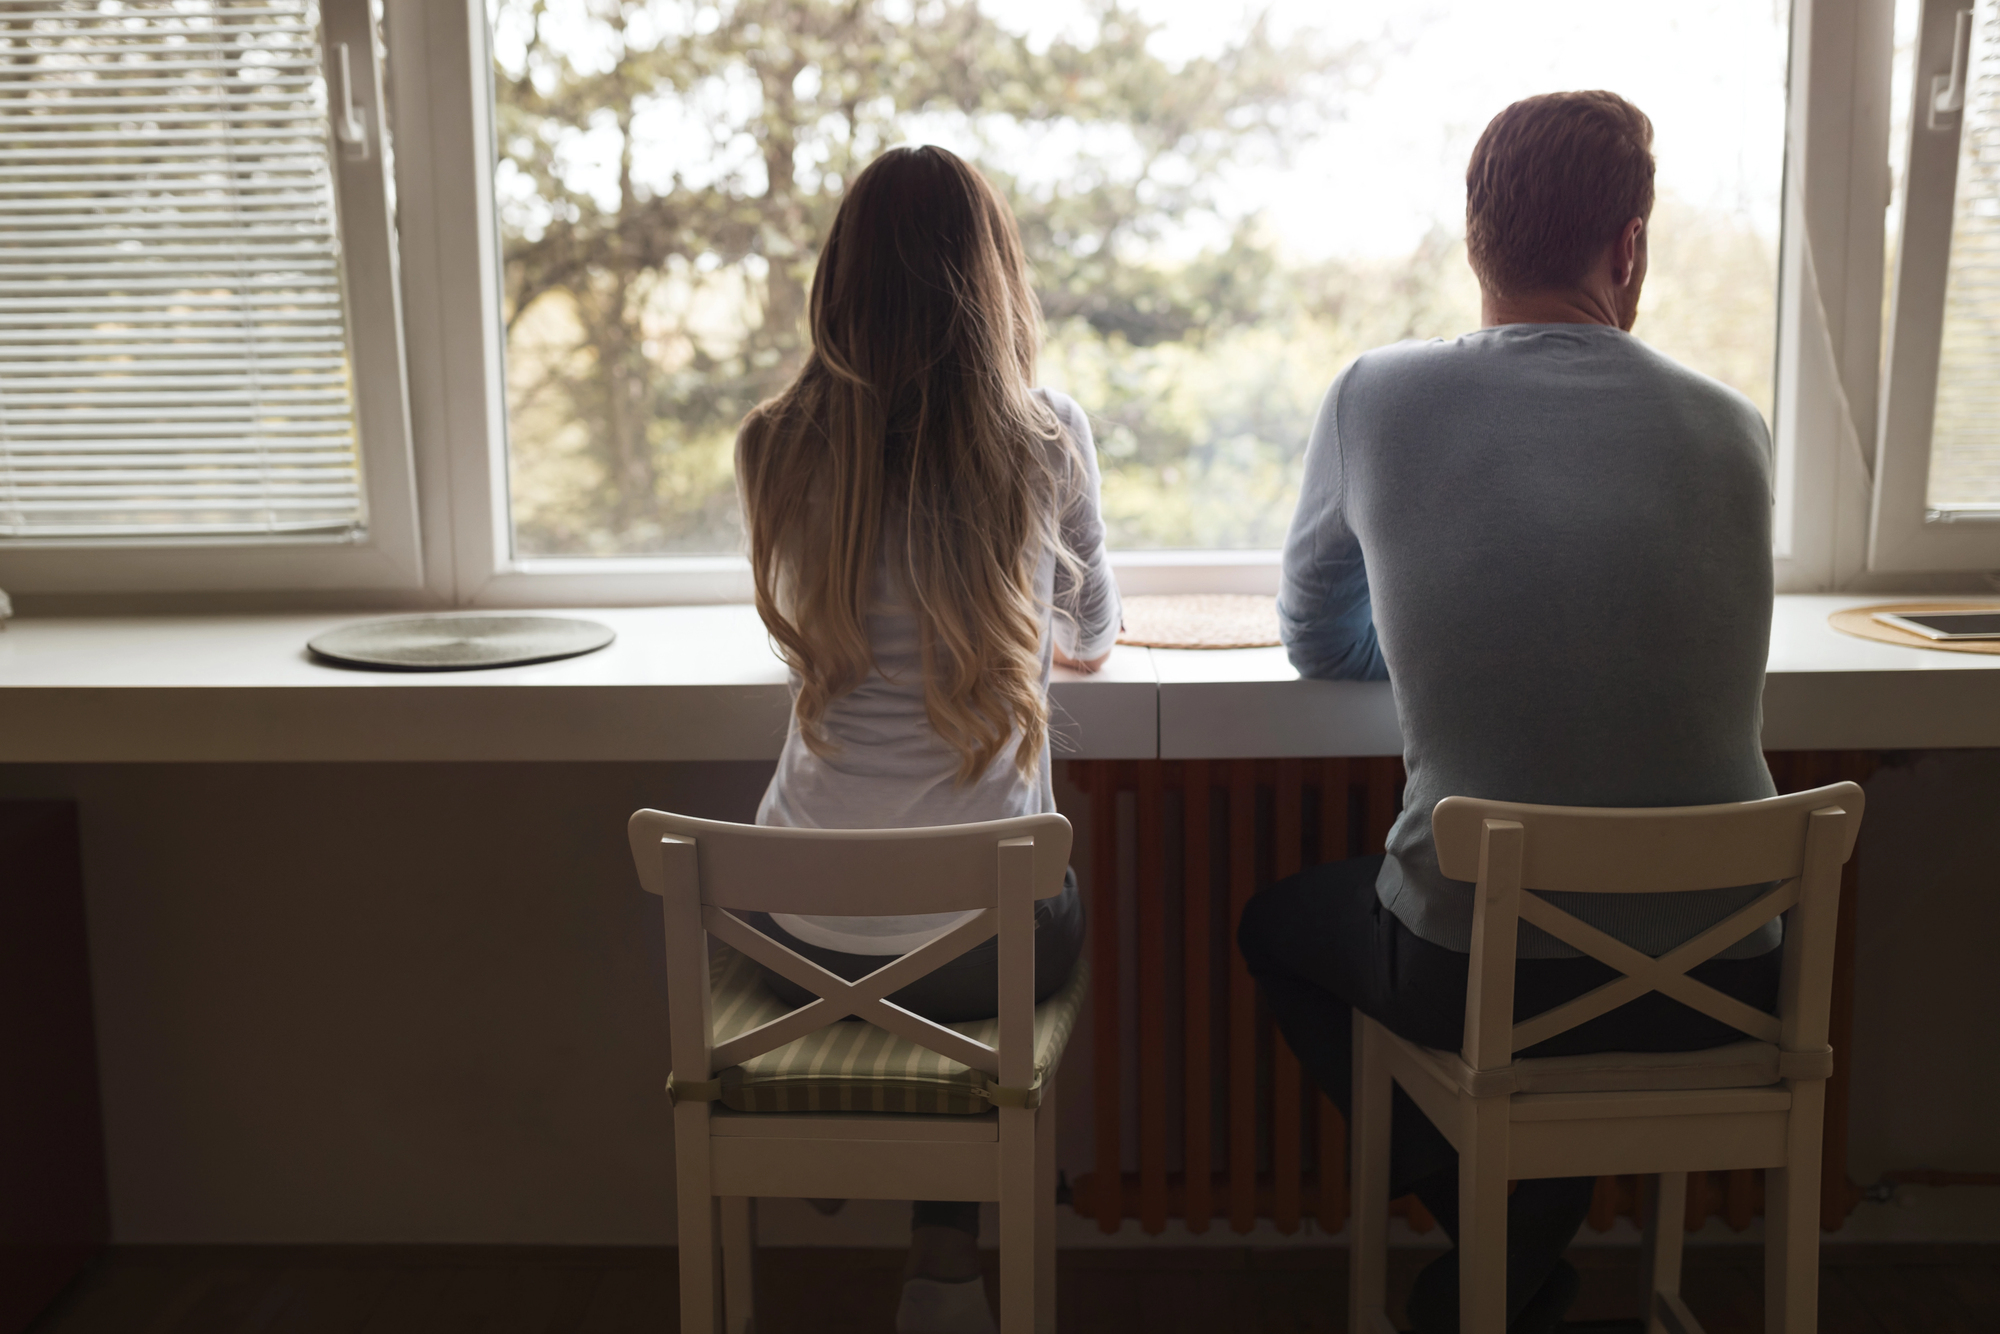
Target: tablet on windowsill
[(1983, 623)]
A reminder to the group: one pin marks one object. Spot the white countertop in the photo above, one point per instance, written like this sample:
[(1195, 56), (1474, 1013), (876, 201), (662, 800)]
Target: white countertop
[(679, 683), (700, 683)]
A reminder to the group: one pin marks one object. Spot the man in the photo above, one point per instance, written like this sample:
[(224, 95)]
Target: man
[(1556, 543)]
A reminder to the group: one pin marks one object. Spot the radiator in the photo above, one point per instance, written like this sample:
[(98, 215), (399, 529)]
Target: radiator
[(1185, 1058)]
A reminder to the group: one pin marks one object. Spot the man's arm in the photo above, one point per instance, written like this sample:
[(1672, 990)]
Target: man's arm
[(1324, 616)]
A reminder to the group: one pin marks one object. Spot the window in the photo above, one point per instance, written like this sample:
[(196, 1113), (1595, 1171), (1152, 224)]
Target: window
[(606, 214), (1937, 501), (1223, 208), (188, 267)]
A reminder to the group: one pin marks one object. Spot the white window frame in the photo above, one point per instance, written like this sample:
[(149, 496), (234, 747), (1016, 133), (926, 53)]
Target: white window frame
[(1829, 335), (449, 368), (1905, 535), (1853, 428), (388, 555), (441, 74), (1836, 190)]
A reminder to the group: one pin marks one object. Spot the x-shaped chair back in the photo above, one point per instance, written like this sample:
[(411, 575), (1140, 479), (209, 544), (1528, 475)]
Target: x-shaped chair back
[(706, 871), (1510, 851)]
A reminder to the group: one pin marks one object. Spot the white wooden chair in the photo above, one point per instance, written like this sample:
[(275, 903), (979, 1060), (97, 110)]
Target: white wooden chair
[(1755, 1103), (704, 872)]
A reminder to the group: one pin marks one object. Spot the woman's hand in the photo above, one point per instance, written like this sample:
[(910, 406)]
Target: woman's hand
[(1064, 660)]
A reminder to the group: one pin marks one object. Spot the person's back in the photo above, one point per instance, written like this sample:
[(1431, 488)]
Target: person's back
[(884, 766), (1567, 541), (925, 541), (1555, 543)]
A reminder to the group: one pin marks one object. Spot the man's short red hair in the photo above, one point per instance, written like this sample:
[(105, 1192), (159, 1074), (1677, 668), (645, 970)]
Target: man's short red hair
[(1553, 181)]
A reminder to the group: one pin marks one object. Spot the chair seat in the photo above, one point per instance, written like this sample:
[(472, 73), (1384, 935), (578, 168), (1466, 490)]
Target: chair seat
[(1738, 1065), (851, 1066)]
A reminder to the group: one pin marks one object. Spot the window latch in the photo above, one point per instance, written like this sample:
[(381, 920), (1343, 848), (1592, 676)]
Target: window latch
[(349, 128), (1948, 90)]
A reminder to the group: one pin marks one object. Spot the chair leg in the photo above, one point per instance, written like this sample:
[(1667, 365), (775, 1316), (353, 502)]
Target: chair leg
[(739, 1263), (1045, 1211), (696, 1215), (1791, 1219), (1018, 1183), (1660, 1256), (1368, 1141), (1482, 1216)]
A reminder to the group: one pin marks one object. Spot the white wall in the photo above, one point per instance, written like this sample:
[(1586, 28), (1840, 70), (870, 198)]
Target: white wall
[(424, 1003), (386, 1003), (1927, 968)]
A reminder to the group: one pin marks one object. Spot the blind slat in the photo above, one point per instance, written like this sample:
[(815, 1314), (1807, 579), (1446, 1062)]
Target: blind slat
[(173, 344), (1965, 436), (288, 307), (140, 465), (206, 365), (118, 388), (177, 226)]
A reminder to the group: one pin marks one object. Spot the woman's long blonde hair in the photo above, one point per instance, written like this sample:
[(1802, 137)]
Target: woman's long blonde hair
[(917, 400)]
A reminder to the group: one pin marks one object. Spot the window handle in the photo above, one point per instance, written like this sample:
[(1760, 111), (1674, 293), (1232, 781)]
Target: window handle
[(349, 127), (1948, 90)]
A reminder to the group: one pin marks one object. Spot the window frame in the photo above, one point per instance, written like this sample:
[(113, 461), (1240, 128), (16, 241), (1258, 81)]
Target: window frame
[(445, 161), (1836, 189), (387, 555), (1904, 536), (1822, 497), (445, 344)]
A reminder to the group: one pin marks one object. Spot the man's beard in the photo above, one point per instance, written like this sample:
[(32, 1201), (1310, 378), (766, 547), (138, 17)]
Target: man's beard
[(1628, 307)]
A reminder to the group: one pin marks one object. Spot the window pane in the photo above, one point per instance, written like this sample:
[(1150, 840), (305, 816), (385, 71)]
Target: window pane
[(173, 348), (1222, 210), (1965, 432)]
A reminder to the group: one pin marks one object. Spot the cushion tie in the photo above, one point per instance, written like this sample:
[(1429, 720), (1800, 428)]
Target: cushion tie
[(694, 1090), (1026, 1099)]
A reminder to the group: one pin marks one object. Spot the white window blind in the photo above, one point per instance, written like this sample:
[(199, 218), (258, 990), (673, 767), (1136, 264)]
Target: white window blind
[(1965, 434), (173, 349)]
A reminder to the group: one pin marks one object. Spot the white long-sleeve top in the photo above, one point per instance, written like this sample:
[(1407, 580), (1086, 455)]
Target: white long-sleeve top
[(887, 768)]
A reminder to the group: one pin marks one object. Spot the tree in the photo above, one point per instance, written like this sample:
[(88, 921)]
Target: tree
[(668, 168)]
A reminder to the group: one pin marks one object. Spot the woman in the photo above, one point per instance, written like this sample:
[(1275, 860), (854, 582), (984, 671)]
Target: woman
[(925, 538)]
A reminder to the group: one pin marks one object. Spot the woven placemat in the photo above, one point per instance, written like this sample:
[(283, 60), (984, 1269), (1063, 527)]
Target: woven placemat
[(1861, 623), (1200, 620), (459, 643)]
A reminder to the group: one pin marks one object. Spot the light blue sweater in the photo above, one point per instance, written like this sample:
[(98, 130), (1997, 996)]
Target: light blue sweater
[(1556, 544)]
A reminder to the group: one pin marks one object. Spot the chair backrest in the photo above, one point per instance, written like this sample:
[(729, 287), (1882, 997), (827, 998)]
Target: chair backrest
[(705, 871), (1510, 851)]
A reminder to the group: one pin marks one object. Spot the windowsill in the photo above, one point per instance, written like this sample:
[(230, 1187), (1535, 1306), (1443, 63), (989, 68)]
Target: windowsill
[(679, 683), (700, 683)]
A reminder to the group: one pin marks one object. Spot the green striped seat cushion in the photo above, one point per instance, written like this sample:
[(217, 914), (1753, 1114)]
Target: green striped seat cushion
[(852, 1066)]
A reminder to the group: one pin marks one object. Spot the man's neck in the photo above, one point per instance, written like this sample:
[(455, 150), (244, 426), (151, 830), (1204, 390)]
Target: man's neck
[(1553, 307)]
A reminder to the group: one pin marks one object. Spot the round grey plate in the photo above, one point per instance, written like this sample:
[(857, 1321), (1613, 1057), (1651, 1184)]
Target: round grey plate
[(457, 643)]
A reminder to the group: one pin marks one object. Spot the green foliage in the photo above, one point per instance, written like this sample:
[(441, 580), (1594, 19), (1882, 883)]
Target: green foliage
[(656, 277), (646, 316)]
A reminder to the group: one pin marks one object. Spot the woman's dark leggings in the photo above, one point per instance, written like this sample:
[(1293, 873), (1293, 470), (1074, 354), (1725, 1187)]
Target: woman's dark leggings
[(963, 990)]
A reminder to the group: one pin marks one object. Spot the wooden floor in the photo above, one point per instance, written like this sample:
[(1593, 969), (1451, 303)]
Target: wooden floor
[(510, 1290)]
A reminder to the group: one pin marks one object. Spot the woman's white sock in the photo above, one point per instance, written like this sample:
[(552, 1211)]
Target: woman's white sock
[(933, 1307)]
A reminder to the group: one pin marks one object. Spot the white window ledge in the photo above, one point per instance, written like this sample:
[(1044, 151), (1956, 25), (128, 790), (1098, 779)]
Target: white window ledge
[(701, 683)]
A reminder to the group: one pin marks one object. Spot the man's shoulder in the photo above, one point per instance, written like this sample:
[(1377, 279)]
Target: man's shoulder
[(1719, 412), (1382, 375), (1524, 360), (1412, 354)]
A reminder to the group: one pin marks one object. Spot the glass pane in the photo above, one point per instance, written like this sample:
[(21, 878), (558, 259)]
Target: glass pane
[(1223, 209), (1965, 433)]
